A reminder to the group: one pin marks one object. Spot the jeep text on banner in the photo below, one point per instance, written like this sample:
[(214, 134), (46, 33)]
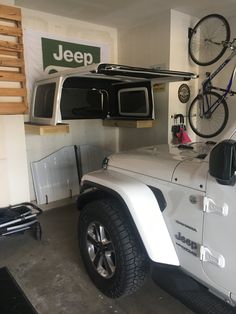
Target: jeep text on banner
[(61, 54), (69, 52)]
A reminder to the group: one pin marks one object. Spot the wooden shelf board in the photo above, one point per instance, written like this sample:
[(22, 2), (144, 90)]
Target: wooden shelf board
[(10, 31), (11, 46), (40, 129), (10, 62), (13, 92), (13, 108), (139, 124), (10, 13)]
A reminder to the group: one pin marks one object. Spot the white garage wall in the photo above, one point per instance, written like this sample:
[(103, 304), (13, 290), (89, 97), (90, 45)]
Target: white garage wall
[(160, 42), (8, 2), (180, 61), (14, 185), (4, 176), (147, 45)]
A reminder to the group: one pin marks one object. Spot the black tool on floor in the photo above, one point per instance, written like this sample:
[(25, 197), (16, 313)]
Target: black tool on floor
[(13, 299), (19, 218)]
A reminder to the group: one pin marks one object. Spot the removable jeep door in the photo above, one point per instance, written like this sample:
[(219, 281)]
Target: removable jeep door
[(219, 234)]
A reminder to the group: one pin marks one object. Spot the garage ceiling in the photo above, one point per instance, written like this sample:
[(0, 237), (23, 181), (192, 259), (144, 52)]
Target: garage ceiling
[(127, 13)]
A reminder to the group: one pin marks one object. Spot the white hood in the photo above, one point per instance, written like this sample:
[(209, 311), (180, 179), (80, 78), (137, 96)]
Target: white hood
[(157, 161)]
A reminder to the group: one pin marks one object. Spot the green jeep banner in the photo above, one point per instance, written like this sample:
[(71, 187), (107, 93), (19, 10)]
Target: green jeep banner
[(58, 55)]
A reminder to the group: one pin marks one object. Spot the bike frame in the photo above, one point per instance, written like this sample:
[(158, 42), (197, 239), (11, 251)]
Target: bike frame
[(206, 86)]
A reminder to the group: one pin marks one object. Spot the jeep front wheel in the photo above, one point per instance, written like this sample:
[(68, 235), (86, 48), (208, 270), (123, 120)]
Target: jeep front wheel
[(112, 253)]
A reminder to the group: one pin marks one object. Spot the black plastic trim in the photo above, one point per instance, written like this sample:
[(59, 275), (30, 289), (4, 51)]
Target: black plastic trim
[(99, 191), (85, 197), (159, 197), (96, 191)]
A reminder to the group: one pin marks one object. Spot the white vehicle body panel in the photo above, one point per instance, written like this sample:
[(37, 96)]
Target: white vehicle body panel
[(199, 217), (180, 216), (158, 161), (220, 233), (192, 173), (184, 215), (144, 210), (137, 162)]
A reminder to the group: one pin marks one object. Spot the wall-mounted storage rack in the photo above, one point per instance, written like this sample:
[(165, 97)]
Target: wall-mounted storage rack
[(138, 124), (38, 129), (13, 91)]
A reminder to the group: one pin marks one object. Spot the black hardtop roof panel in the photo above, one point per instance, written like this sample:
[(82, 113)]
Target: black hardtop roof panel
[(124, 70)]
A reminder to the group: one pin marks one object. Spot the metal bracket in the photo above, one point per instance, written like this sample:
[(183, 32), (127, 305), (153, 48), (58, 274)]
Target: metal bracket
[(206, 255), (212, 208), (190, 32)]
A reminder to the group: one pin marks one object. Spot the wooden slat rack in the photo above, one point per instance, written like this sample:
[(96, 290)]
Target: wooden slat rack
[(13, 93)]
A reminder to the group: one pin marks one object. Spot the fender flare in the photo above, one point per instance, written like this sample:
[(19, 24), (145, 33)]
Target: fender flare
[(143, 208)]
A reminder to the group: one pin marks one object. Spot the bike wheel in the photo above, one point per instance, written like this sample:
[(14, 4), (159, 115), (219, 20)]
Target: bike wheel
[(207, 38), (211, 124)]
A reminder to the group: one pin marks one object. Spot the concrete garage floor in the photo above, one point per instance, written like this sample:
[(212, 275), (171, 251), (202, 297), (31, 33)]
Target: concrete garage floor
[(52, 276)]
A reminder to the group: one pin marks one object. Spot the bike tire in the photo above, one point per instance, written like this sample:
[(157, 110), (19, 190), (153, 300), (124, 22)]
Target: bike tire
[(210, 126), (213, 27)]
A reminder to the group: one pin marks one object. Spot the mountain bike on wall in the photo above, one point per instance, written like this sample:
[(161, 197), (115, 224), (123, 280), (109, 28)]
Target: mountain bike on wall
[(208, 113)]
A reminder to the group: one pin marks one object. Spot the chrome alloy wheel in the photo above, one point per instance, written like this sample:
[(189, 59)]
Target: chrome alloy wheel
[(101, 250)]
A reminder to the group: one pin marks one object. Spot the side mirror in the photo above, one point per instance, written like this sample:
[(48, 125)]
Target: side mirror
[(222, 164)]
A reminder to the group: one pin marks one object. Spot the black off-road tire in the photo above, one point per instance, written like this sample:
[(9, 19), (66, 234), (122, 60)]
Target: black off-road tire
[(131, 261)]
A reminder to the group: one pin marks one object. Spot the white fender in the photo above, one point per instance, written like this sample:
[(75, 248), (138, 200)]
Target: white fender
[(145, 211)]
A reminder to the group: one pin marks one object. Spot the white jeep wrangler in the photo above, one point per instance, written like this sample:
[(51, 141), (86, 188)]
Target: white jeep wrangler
[(167, 204)]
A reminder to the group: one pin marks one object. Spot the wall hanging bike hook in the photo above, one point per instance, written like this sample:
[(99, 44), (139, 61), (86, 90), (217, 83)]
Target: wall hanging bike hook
[(180, 117)]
